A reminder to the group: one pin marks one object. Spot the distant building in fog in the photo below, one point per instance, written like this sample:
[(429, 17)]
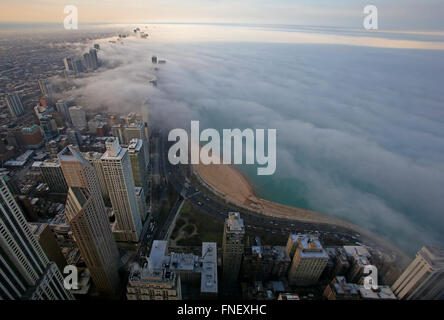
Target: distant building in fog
[(78, 117)]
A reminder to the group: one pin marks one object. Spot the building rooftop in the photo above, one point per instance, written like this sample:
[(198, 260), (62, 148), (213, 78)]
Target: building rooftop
[(113, 149), (234, 222), (135, 145), (342, 287), (138, 191), (383, 293), (309, 246), (158, 256), (163, 267), (433, 255), (72, 154), (37, 228), (208, 282), (358, 254)]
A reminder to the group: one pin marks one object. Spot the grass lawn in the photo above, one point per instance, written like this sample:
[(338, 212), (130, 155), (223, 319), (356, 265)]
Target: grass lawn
[(207, 228)]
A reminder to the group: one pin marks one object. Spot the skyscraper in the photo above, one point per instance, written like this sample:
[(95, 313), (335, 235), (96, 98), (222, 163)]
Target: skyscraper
[(15, 105), (78, 66), (136, 130), (91, 60), (94, 58), (32, 137), (138, 164), (232, 248), (119, 180), (78, 117), (308, 261), (62, 108), (424, 277), (53, 176), (86, 215), (141, 202), (48, 242), (94, 159), (26, 272), (49, 126), (44, 87), (69, 65)]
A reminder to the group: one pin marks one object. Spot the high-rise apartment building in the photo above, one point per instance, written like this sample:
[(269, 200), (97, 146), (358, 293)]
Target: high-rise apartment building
[(140, 196), (88, 220), (136, 130), (15, 105), (138, 164), (78, 66), (94, 159), (358, 256), (232, 248), (69, 64), (44, 235), (74, 137), (26, 272), (78, 117), (45, 87), (424, 277), (49, 126), (32, 137), (62, 108), (94, 58), (119, 180), (118, 131), (308, 261), (53, 176)]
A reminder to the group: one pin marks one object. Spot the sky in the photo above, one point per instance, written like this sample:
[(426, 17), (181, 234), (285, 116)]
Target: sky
[(393, 14), (359, 123)]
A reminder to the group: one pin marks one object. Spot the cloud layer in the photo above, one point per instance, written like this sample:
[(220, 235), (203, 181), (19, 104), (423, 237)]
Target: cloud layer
[(360, 132)]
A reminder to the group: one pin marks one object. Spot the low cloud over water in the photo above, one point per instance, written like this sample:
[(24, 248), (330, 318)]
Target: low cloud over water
[(360, 128)]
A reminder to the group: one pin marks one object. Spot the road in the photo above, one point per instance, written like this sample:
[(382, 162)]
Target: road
[(203, 199)]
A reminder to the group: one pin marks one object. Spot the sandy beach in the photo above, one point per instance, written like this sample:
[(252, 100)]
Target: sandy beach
[(234, 186)]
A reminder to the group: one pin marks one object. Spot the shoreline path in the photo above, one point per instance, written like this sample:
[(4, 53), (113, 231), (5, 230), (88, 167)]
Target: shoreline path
[(227, 181)]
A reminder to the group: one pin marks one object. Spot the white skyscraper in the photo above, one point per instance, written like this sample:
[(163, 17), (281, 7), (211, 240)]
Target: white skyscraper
[(78, 117), (119, 180), (26, 272)]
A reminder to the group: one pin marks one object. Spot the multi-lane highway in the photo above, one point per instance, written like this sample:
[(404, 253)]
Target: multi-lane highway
[(203, 199)]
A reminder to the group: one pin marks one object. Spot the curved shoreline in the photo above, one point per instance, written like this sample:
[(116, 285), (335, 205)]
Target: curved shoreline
[(231, 184)]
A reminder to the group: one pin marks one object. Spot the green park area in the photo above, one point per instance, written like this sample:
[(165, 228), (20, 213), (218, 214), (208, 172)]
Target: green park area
[(194, 227)]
